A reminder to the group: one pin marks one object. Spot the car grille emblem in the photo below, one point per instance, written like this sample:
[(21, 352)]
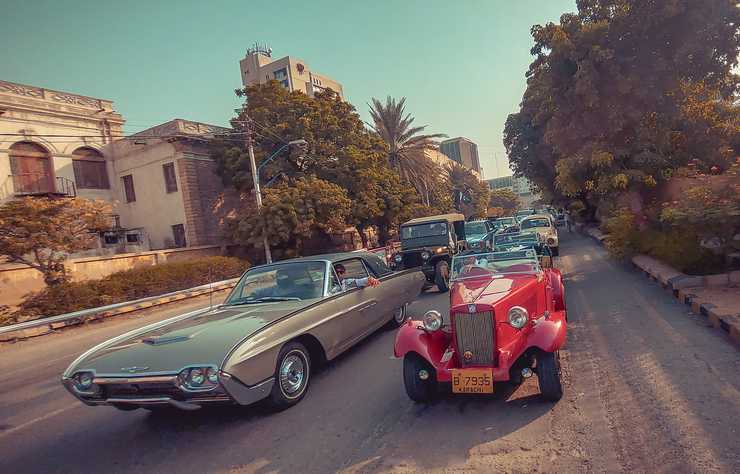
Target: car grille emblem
[(134, 369), (471, 308), (468, 355)]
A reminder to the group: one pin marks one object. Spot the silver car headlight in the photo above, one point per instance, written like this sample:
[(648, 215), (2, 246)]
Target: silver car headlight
[(432, 320), (83, 383), (518, 316), (551, 241), (198, 378), (397, 258), (425, 255)]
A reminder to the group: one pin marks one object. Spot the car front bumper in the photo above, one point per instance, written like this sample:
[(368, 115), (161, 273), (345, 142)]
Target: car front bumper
[(230, 391)]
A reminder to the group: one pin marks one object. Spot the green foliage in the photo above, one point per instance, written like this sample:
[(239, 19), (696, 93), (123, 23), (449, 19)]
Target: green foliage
[(463, 180), (41, 232), (505, 199), (341, 152), (124, 286), (624, 92), (294, 212)]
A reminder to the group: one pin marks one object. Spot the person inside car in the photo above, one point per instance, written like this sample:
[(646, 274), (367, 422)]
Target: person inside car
[(348, 283)]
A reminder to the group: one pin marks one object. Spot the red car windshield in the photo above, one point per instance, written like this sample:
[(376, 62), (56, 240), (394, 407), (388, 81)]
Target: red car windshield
[(493, 263)]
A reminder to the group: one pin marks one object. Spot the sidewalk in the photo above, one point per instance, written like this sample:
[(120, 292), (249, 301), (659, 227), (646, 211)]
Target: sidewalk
[(716, 297)]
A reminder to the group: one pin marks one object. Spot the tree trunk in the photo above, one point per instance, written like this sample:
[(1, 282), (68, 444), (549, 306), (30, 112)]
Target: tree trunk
[(363, 236), (383, 235), (55, 274)]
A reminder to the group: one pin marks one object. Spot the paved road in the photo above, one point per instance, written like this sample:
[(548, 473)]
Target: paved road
[(649, 388)]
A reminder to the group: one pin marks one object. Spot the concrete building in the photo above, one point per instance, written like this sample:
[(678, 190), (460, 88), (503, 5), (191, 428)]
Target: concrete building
[(443, 160), (463, 151), (167, 184), (258, 67), (522, 187)]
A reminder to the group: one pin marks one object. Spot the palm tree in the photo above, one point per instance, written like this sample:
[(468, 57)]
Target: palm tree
[(405, 146)]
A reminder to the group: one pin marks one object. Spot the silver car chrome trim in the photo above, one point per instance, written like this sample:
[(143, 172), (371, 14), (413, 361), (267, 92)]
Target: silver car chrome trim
[(243, 394), (137, 380)]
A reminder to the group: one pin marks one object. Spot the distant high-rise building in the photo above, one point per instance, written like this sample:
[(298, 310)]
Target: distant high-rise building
[(522, 187), (258, 67), (463, 151)]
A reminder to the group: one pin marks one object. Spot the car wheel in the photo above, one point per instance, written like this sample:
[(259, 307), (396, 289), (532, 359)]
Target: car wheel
[(419, 378), (548, 375), (292, 376), (399, 317), (442, 276)]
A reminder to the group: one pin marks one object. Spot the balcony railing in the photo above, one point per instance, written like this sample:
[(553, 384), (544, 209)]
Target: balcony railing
[(37, 184)]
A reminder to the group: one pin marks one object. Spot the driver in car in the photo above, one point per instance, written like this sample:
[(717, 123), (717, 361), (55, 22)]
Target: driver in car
[(347, 283)]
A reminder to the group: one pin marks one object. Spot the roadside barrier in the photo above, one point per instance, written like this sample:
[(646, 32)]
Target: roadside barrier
[(47, 324)]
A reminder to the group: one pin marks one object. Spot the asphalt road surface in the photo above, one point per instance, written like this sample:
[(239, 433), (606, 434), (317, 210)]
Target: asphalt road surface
[(648, 388)]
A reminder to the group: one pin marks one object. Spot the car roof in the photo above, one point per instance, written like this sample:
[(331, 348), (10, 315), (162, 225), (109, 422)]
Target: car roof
[(441, 217), (331, 257), (537, 216)]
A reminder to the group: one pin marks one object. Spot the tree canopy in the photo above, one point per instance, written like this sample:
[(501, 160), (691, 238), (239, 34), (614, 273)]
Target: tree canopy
[(472, 193), (504, 199), (42, 232), (624, 92)]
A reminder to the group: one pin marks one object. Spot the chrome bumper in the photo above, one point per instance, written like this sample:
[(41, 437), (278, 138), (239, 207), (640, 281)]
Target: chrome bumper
[(235, 392)]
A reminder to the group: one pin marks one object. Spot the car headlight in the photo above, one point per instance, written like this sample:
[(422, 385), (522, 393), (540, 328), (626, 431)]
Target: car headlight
[(518, 317), (198, 378), (83, 383), (397, 258), (550, 241), (425, 255), (432, 320)]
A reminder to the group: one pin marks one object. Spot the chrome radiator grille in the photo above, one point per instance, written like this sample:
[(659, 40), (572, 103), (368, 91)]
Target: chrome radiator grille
[(474, 333)]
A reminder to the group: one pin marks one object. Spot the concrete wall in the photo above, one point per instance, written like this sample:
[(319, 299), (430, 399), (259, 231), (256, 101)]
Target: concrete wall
[(18, 280), (155, 210)]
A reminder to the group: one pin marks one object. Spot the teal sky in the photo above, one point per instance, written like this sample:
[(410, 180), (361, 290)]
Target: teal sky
[(460, 64)]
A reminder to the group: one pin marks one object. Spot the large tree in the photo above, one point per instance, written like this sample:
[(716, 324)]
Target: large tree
[(471, 194), (624, 92), (407, 145), (504, 199), (341, 151), (42, 232)]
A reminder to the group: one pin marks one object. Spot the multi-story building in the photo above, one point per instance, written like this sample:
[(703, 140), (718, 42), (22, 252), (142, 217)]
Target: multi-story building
[(258, 67), (521, 186), (463, 151), (160, 182), (443, 160)]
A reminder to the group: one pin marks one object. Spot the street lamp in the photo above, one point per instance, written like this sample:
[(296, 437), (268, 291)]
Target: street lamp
[(255, 176)]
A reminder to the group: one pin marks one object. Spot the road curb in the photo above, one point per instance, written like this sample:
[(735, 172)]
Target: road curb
[(678, 283), (121, 308)]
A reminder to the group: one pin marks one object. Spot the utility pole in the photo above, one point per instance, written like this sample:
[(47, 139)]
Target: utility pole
[(256, 180)]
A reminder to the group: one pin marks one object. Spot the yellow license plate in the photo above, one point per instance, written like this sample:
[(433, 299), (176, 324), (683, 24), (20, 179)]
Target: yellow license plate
[(472, 380)]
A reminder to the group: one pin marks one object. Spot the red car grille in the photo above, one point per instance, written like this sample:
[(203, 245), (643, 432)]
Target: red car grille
[(474, 334)]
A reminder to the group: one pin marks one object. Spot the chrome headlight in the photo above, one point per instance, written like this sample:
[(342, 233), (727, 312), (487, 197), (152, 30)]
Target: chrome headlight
[(550, 241), (425, 255), (82, 382), (397, 258), (198, 378), (518, 317), (432, 320)]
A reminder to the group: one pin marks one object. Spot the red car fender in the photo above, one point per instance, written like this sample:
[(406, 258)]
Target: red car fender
[(548, 334), (558, 289), (431, 346)]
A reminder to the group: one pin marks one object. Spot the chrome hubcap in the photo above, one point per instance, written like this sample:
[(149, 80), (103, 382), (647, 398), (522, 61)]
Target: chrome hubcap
[(292, 374), (400, 314)]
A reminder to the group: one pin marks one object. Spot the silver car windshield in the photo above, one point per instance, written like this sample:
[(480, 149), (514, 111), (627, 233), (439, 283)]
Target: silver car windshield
[(493, 263), (281, 282)]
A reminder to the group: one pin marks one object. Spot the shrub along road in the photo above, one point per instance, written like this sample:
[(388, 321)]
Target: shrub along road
[(649, 388)]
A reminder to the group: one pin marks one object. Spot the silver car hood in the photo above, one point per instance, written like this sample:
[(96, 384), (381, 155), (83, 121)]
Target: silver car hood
[(198, 338)]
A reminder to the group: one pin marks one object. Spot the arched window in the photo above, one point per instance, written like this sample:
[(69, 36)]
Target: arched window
[(30, 165), (90, 170)]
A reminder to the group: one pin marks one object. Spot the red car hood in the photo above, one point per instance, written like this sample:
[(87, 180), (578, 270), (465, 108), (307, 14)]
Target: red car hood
[(489, 290)]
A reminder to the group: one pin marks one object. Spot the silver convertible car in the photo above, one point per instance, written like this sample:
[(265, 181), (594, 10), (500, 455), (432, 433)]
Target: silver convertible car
[(278, 324)]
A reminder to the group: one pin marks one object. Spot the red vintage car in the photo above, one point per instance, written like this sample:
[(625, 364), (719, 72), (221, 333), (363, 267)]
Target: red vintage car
[(507, 322)]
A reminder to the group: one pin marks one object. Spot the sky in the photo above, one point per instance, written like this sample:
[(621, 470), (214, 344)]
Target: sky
[(460, 64)]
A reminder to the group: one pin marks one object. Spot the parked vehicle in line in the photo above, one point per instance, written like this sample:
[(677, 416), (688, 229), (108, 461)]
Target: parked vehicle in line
[(502, 223), (429, 243), (543, 225), (507, 322), (479, 235), (522, 213), (509, 242), (280, 322), (512, 229)]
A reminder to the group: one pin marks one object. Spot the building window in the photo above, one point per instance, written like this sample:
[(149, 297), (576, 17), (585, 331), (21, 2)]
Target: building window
[(30, 165), (284, 83), (178, 232), (132, 238), (280, 74), (110, 238), (90, 169), (128, 188), (170, 182)]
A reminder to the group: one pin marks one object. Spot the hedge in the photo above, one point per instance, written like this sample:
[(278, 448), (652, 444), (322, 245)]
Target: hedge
[(125, 286)]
